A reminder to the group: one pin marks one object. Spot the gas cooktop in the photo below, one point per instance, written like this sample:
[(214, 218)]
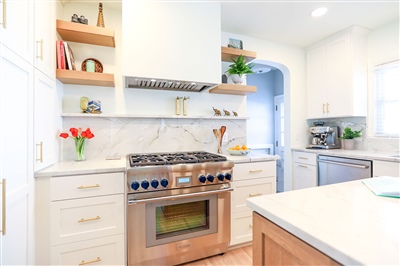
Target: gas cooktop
[(147, 159)]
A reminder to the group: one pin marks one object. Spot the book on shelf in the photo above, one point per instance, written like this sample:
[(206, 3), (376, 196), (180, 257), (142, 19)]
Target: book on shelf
[(69, 56), (60, 55), (386, 186)]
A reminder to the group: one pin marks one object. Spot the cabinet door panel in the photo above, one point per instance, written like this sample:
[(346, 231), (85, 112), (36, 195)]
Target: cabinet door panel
[(304, 176), (241, 227), (382, 168), (316, 82), (254, 170)]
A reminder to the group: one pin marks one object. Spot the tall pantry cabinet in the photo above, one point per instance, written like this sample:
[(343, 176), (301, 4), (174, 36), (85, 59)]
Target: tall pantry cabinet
[(19, 75)]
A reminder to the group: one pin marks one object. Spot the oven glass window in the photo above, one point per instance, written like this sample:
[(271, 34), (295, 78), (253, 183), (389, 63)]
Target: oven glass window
[(179, 219)]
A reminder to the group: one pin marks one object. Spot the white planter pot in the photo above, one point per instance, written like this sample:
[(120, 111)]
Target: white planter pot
[(348, 144), (237, 79)]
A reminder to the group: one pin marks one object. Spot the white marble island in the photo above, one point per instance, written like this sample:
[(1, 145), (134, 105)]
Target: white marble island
[(345, 221)]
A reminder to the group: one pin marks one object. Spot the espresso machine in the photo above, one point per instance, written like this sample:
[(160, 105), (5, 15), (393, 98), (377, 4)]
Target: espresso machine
[(324, 137)]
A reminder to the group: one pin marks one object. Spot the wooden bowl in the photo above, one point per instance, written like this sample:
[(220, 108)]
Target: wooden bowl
[(98, 67)]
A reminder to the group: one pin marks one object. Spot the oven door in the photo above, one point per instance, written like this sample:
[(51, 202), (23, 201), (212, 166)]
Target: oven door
[(179, 228)]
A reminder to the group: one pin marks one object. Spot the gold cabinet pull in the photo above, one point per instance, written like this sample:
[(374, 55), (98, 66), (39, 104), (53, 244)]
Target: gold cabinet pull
[(255, 171), (251, 226), (300, 165), (93, 186), (89, 219), (323, 108), (90, 261), (303, 158), (4, 19), (39, 49), (3, 207), (40, 145), (327, 107), (255, 195)]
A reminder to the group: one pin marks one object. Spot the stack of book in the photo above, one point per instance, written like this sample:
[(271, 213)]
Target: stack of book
[(65, 57)]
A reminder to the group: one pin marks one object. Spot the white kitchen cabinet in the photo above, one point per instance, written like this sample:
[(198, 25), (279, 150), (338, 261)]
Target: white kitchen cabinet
[(16, 167), (176, 41), (305, 170), (385, 168), (337, 75), (249, 180), (45, 37), (81, 219)]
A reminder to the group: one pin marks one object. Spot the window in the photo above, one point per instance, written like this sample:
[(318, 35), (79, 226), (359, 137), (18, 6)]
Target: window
[(387, 100)]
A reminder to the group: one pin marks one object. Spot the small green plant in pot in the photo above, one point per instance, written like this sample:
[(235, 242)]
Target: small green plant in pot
[(239, 68), (348, 138)]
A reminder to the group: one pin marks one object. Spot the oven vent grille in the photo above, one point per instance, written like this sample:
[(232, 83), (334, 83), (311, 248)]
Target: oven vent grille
[(172, 85)]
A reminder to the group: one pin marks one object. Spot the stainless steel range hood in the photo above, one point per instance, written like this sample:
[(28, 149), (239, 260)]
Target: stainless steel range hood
[(164, 84)]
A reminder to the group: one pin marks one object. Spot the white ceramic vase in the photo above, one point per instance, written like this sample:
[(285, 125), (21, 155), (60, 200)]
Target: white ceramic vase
[(237, 79), (348, 144)]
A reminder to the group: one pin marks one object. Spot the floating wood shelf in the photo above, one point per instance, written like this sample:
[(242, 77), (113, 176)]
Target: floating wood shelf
[(77, 32), (85, 78), (152, 116), (233, 89), (228, 53)]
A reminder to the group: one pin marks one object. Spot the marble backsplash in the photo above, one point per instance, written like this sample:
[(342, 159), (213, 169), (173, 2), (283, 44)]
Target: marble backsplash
[(364, 143), (120, 136)]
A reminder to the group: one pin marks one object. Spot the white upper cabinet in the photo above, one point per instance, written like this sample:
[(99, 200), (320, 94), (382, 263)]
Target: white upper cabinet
[(172, 40), (337, 75)]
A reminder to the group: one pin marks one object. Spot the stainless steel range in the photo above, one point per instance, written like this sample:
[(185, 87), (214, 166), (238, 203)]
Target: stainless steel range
[(178, 207)]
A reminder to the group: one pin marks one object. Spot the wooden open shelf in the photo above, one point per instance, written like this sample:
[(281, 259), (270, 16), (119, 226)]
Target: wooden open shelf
[(234, 89), (85, 78), (228, 53), (77, 32)]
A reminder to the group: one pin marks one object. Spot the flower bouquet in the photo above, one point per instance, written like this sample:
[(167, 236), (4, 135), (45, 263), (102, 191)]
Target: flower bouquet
[(79, 137)]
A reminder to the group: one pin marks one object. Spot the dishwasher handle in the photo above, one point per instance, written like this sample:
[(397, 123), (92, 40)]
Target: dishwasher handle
[(345, 164)]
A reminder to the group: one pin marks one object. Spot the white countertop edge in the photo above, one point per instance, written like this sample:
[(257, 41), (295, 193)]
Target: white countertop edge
[(309, 239), (356, 154)]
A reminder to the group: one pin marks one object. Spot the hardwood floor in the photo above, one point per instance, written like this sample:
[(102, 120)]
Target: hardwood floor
[(238, 256)]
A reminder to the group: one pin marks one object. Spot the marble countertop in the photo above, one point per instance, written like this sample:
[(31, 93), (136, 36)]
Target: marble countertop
[(252, 157), (358, 154), (346, 221), (84, 167)]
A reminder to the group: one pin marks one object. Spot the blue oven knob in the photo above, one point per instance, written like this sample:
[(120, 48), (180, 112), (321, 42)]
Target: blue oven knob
[(220, 177), (164, 182), (154, 183), (210, 178), (228, 176), (202, 178), (145, 184), (135, 185)]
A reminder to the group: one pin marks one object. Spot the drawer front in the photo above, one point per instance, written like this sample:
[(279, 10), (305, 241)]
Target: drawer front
[(245, 171), (381, 168), (80, 186), (242, 227), (83, 219), (100, 251), (250, 188), (304, 176), (305, 158)]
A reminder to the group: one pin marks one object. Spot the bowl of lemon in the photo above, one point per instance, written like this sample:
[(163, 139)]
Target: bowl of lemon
[(239, 150)]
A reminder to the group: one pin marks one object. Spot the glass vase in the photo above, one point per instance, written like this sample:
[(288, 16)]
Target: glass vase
[(80, 149)]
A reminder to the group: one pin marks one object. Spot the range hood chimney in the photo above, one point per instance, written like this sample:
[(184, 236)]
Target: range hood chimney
[(163, 84)]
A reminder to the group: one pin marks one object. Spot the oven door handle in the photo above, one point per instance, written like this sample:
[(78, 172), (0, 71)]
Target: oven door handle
[(180, 196)]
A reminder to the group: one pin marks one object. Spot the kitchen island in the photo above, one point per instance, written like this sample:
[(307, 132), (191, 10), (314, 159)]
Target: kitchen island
[(343, 223)]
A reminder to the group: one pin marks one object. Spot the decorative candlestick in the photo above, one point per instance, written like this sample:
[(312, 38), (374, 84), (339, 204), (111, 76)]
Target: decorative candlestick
[(100, 18)]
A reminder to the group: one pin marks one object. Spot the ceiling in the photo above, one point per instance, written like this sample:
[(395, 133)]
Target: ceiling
[(289, 22)]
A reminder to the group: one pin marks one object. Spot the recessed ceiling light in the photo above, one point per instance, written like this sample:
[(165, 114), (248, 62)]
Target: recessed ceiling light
[(319, 12)]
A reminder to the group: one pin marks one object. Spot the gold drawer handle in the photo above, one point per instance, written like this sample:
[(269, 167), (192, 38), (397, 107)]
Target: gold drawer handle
[(40, 145), (89, 219), (4, 20), (3, 207), (84, 187), (251, 226), (89, 262), (304, 158), (255, 195), (300, 165), (255, 171)]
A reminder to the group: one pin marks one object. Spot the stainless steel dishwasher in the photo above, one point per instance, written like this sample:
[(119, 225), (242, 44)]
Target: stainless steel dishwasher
[(338, 169)]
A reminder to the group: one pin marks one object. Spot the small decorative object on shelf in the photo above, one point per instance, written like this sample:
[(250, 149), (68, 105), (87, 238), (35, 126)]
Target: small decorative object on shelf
[(80, 19), (227, 113), (234, 113), (100, 17), (98, 66), (90, 66), (79, 137), (237, 44), (84, 103), (94, 107), (216, 112), (239, 69), (224, 79)]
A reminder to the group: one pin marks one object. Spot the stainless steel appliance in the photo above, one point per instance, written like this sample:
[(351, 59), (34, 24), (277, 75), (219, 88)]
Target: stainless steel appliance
[(324, 137), (337, 169), (178, 207)]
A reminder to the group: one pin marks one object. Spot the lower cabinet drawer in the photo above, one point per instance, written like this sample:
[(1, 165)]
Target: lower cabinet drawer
[(100, 251), (241, 227), (88, 218)]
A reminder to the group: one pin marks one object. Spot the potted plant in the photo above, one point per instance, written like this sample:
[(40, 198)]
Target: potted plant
[(348, 138), (239, 68)]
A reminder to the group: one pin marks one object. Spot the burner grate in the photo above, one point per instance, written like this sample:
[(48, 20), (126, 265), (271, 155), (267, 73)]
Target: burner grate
[(145, 159)]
